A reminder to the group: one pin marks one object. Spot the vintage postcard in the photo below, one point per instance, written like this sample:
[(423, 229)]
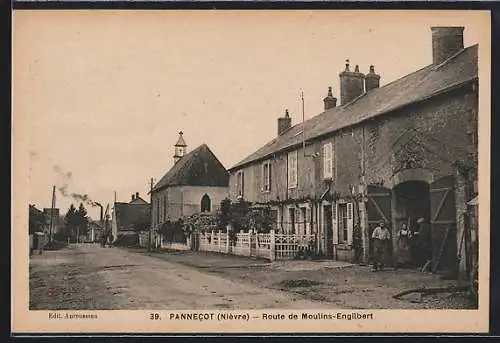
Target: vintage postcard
[(250, 171)]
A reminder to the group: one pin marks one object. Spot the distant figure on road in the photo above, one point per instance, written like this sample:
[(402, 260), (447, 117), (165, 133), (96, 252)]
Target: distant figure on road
[(403, 253), (381, 237)]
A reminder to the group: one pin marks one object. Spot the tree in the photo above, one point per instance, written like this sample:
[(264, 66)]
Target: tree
[(69, 225), (82, 220), (76, 222)]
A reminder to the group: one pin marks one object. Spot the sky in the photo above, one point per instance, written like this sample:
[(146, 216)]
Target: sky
[(100, 96)]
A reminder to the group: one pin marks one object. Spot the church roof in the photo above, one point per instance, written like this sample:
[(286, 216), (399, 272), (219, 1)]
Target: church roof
[(418, 86), (199, 167)]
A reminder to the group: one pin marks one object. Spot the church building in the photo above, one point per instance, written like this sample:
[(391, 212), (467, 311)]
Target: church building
[(197, 182)]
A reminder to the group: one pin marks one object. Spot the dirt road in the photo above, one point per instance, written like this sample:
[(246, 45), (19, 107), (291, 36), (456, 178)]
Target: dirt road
[(92, 277)]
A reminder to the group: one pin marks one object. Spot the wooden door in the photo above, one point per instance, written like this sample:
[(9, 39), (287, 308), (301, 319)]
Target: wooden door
[(328, 226), (378, 207), (443, 223)]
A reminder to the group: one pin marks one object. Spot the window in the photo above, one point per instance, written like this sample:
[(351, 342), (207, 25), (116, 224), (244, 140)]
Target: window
[(240, 186), (327, 161), (205, 203), (165, 208), (292, 169), (266, 176), (342, 223), (303, 215), (157, 211)]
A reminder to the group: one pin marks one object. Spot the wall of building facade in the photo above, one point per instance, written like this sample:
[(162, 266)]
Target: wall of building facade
[(175, 202), (431, 134)]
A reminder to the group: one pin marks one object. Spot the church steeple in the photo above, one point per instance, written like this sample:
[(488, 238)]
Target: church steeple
[(180, 148)]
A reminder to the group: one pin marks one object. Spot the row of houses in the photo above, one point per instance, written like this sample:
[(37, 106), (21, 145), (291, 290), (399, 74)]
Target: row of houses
[(398, 152)]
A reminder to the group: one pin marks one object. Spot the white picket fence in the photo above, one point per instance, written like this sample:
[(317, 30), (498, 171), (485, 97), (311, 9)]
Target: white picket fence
[(270, 246)]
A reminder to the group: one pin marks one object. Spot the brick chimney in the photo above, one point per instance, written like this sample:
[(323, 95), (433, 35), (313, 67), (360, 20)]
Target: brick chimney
[(133, 197), (284, 123), (330, 101), (372, 80), (352, 84), (446, 41), (137, 195)]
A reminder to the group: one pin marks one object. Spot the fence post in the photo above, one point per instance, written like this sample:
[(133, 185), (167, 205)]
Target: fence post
[(272, 245), (228, 243), (218, 241), (250, 234)]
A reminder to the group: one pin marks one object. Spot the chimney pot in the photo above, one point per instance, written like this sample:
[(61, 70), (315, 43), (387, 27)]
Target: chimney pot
[(329, 101), (446, 41), (136, 195), (284, 123), (352, 84), (372, 80), (133, 197)]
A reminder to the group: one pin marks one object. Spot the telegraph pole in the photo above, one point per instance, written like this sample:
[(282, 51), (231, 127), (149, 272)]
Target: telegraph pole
[(303, 122), (151, 212), (52, 212)]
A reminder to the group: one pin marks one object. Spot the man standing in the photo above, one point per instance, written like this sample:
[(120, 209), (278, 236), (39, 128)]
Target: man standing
[(381, 237)]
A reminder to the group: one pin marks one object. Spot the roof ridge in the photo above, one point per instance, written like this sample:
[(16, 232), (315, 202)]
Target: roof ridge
[(448, 59), (417, 86)]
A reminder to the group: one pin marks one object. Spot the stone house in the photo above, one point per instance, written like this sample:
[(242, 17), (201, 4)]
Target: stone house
[(395, 153), (197, 182)]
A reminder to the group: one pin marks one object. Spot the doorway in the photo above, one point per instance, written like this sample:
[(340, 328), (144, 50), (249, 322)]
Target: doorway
[(328, 226), (412, 203)]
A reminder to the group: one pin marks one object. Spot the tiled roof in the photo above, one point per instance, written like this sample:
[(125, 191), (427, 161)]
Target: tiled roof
[(199, 167), (129, 215), (415, 87), (138, 200)]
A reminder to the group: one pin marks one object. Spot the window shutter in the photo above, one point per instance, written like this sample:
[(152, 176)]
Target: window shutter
[(332, 160), (335, 226), (269, 170), (242, 183), (264, 176), (349, 223), (327, 161)]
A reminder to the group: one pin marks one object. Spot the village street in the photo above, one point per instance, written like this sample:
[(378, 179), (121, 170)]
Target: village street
[(91, 277)]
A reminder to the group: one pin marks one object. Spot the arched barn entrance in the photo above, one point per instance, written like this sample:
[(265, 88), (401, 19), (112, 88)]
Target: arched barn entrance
[(412, 201), (205, 203), (412, 196)]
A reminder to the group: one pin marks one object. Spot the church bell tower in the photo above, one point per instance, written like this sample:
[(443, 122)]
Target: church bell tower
[(180, 148)]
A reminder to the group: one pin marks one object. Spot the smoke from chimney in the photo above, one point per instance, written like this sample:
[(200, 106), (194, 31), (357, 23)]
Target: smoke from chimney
[(67, 178)]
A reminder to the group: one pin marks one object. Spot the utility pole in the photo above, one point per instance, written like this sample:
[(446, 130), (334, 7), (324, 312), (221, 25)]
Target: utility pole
[(151, 211), (303, 123), (52, 211)]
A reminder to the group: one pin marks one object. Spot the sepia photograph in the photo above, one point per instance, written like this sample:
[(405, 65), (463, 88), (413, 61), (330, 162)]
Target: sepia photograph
[(240, 164)]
